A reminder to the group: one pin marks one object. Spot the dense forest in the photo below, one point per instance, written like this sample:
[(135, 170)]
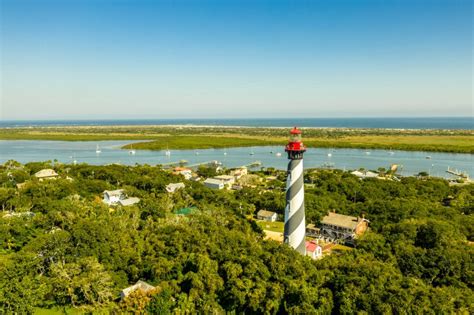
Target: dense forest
[(64, 249)]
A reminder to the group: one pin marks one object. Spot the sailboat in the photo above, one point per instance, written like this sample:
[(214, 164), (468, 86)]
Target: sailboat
[(132, 151), (391, 152), (167, 152), (98, 150)]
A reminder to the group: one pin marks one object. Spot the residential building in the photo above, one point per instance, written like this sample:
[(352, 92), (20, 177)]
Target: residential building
[(214, 183), (313, 250), (365, 174), (113, 196), (237, 187), (118, 197), (171, 188), (343, 227), (186, 172), (46, 174), (268, 216), (239, 172), (227, 180), (140, 285), (312, 230)]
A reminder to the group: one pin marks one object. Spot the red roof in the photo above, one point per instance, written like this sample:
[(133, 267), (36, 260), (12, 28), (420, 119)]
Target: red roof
[(311, 246), (295, 131)]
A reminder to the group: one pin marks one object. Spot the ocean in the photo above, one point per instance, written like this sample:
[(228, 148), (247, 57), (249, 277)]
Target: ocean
[(459, 123)]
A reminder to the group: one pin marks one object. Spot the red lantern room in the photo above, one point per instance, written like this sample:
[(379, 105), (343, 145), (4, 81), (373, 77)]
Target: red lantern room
[(295, 147)]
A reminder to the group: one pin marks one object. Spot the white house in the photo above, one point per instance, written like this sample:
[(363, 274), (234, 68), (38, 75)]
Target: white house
[(113, 196), (171, 188), (140, 285), (46, 174), (118, 197), (214, 183), (227, 180), (313, 250), (365, 174), (268, 216)]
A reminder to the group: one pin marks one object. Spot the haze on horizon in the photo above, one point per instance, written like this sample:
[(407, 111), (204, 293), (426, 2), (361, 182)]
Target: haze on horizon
[(97, 59)]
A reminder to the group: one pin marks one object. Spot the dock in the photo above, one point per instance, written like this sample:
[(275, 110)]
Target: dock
[(253, 164), (180, 162), (210, 163), (456, 172)]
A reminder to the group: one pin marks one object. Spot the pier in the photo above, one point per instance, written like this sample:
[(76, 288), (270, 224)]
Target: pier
[(180, 162), (456, 172)]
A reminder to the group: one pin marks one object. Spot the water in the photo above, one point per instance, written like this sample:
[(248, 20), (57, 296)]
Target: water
[(459, 123), (85, 152)]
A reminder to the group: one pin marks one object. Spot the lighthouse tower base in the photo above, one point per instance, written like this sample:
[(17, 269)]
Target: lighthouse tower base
[(295, 227)]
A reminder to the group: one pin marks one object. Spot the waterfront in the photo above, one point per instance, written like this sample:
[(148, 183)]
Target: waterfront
[(410, 162)]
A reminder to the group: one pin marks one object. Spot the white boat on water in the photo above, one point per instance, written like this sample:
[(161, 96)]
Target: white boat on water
[(98, 150), (329, 154), (132, 151), (367, 152), (168, 152), (278, 154)]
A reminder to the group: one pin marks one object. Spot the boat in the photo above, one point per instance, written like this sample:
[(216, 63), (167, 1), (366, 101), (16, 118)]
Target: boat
[(168, 153), (367, 152), (132, 151), (98, 150), (329, 154), (252, 153), (391, 152), (428, 157), (278, 154), (197, 153)]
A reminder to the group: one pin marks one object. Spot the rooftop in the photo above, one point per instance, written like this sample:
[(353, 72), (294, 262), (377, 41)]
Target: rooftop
[(265, 213), (341, 220), (213, 181), (224, 177), (129, 201), (46, 173), (117, 192), (311, 246), (140, 285)]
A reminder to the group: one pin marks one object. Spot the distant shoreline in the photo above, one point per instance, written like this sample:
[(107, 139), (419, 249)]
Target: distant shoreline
[(419, 123), (203, 137)]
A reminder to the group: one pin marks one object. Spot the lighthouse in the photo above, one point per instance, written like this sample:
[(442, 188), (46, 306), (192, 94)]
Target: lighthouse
[(295, 227)]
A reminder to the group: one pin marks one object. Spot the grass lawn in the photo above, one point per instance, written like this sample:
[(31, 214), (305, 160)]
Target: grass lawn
[(272, 226)]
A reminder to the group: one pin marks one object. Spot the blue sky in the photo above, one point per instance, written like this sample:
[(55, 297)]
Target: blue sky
[(81, 59)]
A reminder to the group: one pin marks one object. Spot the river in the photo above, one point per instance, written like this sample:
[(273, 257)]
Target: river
[(410, 162)]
